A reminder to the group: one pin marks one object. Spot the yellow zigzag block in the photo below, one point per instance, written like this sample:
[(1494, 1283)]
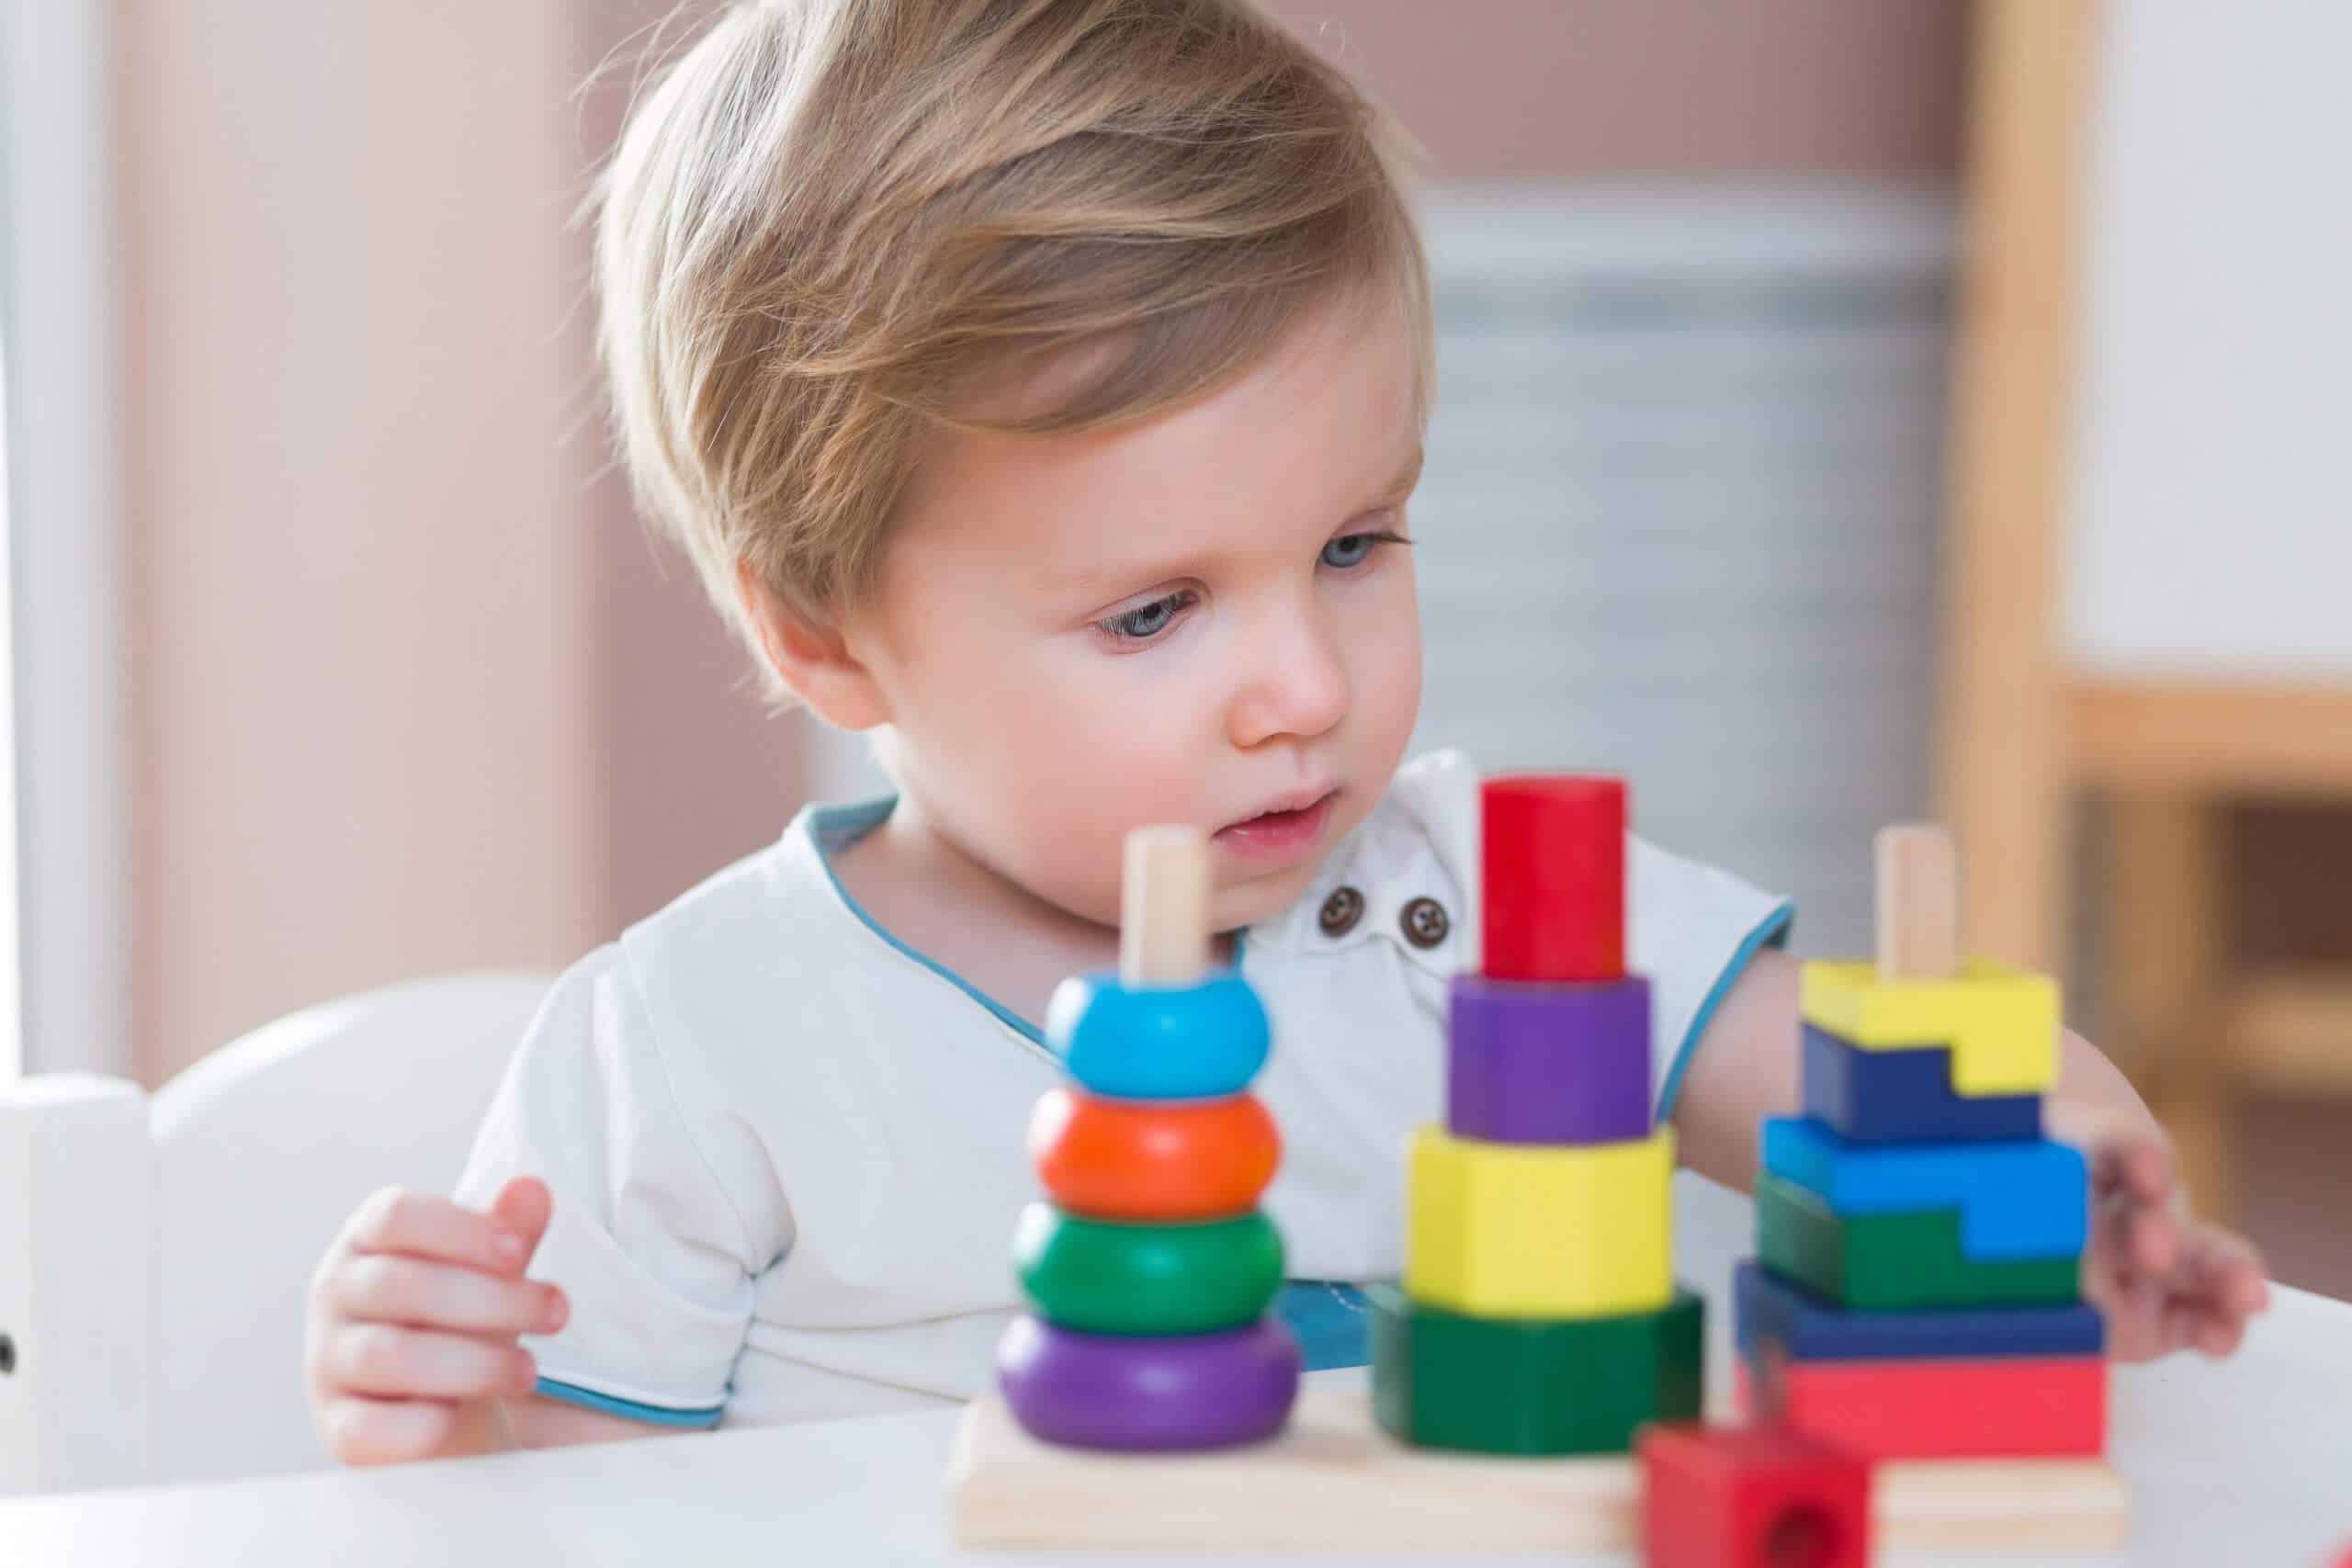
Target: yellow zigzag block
[(2001, 1023), (1538, 1230)]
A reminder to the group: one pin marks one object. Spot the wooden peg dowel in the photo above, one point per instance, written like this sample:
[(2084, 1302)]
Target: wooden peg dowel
[(1918, 902), (1164, 906)]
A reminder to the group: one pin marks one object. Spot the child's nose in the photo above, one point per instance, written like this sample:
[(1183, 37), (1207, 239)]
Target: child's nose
[(1295, 685)]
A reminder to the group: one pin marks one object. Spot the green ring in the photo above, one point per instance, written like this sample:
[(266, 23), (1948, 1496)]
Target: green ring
[(1101, 1277)]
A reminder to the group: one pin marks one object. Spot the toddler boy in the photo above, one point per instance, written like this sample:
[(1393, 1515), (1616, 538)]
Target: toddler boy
[(1038, 386)]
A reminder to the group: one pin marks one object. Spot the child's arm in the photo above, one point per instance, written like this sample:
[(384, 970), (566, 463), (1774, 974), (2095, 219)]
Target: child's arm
[(2166, 1281)]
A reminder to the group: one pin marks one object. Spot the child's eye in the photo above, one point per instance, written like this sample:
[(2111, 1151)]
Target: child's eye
[(1147, 621), (1349, 549)]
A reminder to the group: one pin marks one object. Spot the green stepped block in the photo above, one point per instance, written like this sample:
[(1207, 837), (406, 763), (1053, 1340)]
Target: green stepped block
[(1442, 1380), (1888, 1262)]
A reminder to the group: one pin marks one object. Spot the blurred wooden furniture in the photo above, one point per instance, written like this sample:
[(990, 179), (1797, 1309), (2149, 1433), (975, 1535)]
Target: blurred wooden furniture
[(2026, 728)]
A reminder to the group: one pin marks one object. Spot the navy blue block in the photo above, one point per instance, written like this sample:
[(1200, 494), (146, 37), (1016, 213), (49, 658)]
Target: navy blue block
[(1814, 1328), (1900, 1096)]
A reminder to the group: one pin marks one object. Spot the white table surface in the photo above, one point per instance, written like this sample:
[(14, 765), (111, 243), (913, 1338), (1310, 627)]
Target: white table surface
[(2233, 1464)]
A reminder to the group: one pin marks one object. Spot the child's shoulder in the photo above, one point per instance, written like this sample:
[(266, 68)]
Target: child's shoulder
[(775, 908), (783, 879), (728, 947)]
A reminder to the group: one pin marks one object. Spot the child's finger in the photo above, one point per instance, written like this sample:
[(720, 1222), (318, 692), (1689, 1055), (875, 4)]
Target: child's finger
[(2105, 1153), (2128, 1243), (2179, 1323), (420, 1225), (2151, 1240), (385, 1358), (2134, 1163), (358, 1429), (521, 1210), (2217, 1336), (2146, 1168), (391, 1288), (2226, 1270)]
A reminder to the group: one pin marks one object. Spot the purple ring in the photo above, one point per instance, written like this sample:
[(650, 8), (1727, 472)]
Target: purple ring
[(1190, 1390), (1542, 1063)]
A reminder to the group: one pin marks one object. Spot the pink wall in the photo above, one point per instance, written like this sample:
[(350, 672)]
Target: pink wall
[(412, 690), (360, 737), (692, 772), (1495, 87)]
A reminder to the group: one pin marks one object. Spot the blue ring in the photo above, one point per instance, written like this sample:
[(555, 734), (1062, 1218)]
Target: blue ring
[(1159, 1043)]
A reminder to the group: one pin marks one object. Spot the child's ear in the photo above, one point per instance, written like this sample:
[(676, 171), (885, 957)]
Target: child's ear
[(811, 659)]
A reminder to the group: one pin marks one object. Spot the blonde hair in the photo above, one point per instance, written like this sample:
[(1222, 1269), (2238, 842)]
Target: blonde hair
[(832, 223)]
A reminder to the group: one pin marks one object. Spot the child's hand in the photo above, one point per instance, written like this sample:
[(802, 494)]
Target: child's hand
[(413, 1317), (2166, 1281)]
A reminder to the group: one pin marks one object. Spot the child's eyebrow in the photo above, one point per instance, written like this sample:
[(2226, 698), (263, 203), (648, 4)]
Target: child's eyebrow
[(1408, 476), (1104, 579)]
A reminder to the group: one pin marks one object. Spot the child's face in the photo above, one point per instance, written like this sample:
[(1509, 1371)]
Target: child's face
[(1191, 620)]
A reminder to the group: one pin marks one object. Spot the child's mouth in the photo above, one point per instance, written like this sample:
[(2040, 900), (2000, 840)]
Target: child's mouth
[(1279, 835)]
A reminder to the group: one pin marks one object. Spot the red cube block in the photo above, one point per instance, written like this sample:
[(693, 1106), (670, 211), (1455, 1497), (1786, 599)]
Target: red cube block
[(1552, 858), (1750, 1497)]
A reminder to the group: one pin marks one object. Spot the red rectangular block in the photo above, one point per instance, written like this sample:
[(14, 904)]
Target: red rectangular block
[(1989, 1408), (1552, 858)]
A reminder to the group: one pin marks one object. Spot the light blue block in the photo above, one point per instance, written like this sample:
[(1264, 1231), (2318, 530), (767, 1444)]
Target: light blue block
[(2016, 1200)]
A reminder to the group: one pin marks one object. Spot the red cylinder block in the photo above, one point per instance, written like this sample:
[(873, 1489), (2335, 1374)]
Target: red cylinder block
[(1552, 858)]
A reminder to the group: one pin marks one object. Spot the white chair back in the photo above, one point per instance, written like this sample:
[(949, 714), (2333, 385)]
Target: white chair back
[(262, 1150), (259, 1154)]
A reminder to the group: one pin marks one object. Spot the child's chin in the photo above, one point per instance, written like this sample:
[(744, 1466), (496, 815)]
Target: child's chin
[(1251, 901)]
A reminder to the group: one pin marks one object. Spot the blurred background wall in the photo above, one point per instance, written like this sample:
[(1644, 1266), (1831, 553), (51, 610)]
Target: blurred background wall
[(407, 688)]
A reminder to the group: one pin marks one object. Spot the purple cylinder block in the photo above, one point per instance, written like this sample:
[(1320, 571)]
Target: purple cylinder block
[(1548, 1064), (1191, 1390)]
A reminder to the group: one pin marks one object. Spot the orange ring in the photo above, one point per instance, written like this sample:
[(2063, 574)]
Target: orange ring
[(1147, 1159)]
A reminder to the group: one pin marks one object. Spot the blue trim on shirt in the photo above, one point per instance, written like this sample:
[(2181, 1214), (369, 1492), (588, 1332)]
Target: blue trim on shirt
[(1773, 932), (653, 1414), (832, 828)]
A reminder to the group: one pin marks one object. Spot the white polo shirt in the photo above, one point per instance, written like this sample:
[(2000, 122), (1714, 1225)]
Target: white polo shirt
[(786, 1151)]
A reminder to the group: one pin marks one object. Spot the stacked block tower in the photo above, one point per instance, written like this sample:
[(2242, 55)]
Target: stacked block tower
[(1915, 1292), (1538, 1313), (1149, 1266)]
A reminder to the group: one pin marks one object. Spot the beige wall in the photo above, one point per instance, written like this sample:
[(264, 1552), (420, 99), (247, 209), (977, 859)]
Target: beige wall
[(361, 733), (410, 690)]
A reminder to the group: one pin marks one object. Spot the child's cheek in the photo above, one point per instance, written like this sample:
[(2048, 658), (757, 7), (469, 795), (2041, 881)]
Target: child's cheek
[(1385, 683), (1087, 782)]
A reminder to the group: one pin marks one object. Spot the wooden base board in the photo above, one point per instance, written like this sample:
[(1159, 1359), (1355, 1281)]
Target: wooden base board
[(1335, 1481)]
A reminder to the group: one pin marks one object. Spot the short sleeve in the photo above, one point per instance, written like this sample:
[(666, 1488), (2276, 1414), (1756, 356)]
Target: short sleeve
[(655, 1253), (1691, 930)]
